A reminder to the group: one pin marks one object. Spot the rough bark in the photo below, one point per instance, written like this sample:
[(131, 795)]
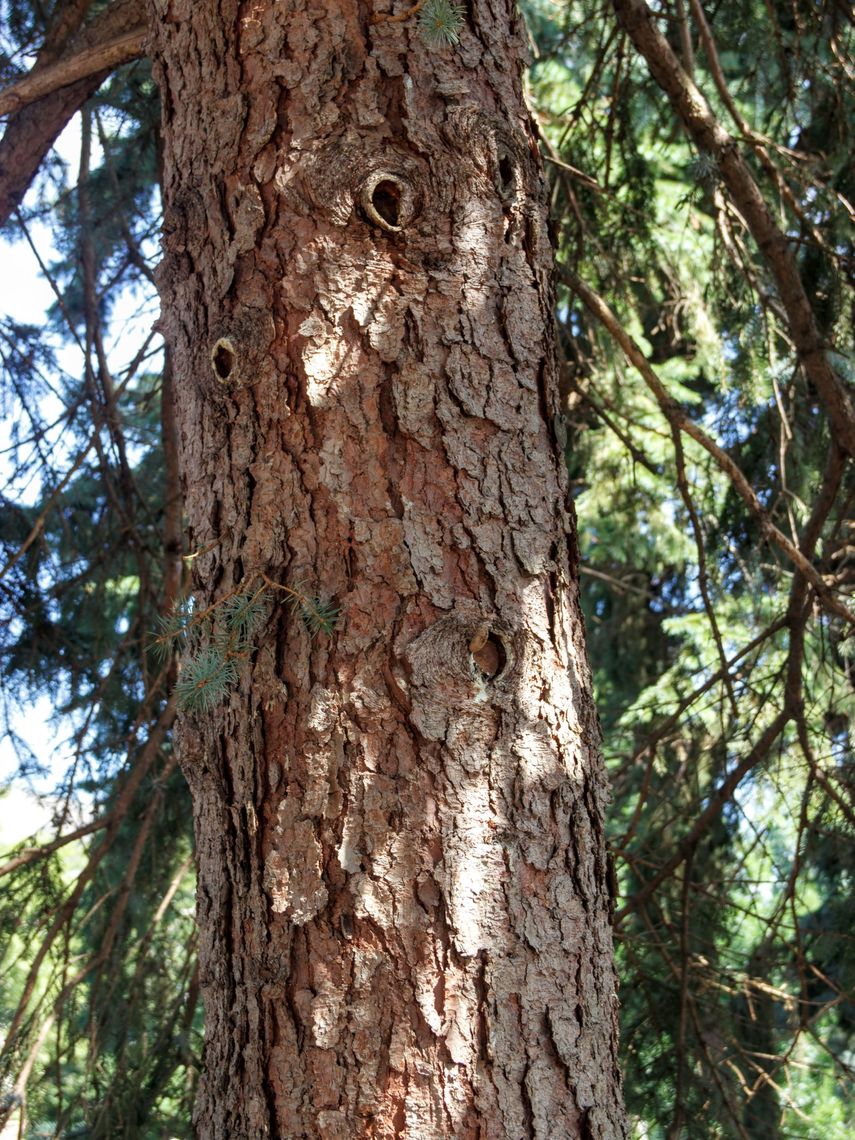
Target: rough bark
[(403, 901)]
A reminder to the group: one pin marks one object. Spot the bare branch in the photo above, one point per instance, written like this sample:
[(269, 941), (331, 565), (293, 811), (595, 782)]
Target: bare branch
[(91, 61)]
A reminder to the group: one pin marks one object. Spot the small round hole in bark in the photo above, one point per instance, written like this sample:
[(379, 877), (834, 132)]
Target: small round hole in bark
[(489, 655), (223, 359), (387, 201)]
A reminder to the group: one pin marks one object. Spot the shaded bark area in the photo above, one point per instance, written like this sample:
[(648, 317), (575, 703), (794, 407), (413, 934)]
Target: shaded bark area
[(403, 902)]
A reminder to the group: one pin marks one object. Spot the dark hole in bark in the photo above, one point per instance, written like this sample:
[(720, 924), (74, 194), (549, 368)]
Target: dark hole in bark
[(491, 658), (506, 177), (223, 359), (386, 200)]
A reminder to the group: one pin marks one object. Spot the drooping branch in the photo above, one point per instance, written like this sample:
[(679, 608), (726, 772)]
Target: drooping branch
[(85, 64), (710, 137), (33, 129), (678, 419), (711, 812), (650, 742), (50, 502), (33, 854), (140, 766)]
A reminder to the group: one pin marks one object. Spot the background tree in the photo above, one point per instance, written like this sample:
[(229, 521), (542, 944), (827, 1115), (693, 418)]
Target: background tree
[(707, 241), (714, 494)]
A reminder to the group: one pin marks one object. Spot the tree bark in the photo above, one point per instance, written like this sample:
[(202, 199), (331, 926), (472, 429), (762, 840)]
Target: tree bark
[(403, 901)]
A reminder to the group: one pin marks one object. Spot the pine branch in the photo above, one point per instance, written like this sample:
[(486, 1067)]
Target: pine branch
[(90, 61), (217, 639)]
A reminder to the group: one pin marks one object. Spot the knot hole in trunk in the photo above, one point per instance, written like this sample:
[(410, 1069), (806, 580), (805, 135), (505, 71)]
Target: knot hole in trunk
[(458, 652), (387, 201), (224, 360)]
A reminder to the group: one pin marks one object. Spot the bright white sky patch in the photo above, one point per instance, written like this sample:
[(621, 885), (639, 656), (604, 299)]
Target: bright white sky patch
[(25, 295)]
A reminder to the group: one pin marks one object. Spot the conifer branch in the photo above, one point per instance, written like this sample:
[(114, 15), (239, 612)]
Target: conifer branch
[(89, 61), (709, 136), (34, 126), (216, 640), (319, 616), (678, 419), (439, 21)]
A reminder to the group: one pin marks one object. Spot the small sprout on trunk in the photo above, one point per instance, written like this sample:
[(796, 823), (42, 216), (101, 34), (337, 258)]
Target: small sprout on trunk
[(215, 641), (440, 22)]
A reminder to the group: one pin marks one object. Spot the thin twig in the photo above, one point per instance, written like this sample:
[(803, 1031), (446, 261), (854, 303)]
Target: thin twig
[(678, 418)]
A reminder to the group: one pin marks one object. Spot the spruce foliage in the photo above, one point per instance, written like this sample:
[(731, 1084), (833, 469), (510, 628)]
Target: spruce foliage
[(214, 642), (440, 22), (723, 680)]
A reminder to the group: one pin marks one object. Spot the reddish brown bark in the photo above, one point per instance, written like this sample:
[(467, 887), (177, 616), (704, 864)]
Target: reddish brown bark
[(403, 905)]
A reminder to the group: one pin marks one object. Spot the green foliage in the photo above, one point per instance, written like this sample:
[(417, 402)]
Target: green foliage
[(319, 615), (215, 641), (737, 1012), (440, 22), (207, 675)]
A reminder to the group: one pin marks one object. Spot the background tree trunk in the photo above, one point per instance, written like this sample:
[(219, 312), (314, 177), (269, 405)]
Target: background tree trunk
[(403, 901)]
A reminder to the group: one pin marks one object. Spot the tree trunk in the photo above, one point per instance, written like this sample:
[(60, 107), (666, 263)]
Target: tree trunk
[(403, 902)]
